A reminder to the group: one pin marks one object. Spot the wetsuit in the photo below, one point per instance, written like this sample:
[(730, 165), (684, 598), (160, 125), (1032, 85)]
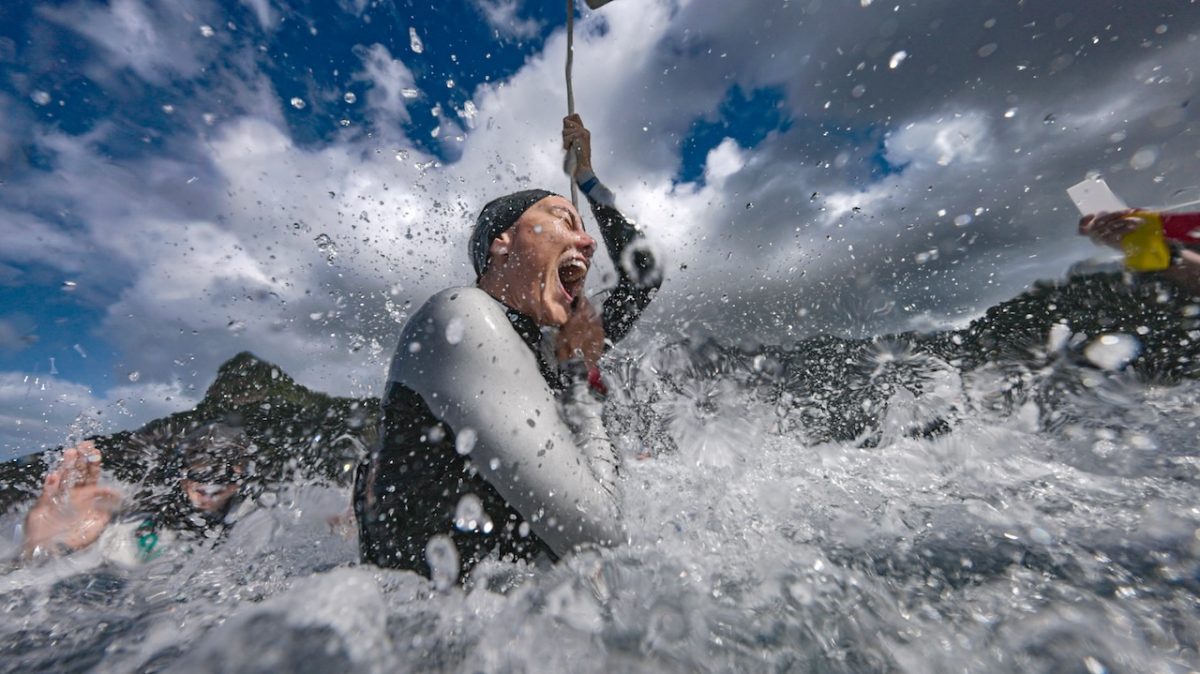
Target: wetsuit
[(472, 443)]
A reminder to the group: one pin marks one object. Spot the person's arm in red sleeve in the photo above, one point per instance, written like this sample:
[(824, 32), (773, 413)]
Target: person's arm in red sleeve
[(1181, 227)]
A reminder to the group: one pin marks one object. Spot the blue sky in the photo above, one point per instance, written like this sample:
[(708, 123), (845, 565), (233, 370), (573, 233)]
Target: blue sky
[(184, 182)]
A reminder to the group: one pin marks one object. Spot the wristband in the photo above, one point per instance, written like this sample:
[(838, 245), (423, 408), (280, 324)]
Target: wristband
[(588, 185), (587, 181)]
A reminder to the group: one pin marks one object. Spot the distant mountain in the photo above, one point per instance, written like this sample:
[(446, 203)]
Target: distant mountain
[(300, 434)]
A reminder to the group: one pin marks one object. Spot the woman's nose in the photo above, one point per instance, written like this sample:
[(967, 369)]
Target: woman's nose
[(586, 244)]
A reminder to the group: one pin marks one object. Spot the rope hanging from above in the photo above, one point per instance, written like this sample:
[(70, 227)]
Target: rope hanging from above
[(572, 158)]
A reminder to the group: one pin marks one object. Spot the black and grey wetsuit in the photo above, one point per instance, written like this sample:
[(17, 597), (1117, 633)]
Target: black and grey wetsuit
[(472, 442)]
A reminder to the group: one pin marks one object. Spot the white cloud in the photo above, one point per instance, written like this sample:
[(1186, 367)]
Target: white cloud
[(38, 412), (390, 79), (961, 137), (724, 160), (154, 43), (501, 15), (263, 12)]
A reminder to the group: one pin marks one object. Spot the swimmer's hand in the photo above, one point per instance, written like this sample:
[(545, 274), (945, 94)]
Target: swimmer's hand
[(1107, 229), (576, 135), (582, 335), (73, 510)]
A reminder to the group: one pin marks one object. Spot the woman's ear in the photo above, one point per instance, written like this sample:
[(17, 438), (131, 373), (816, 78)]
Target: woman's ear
[(500, 245)]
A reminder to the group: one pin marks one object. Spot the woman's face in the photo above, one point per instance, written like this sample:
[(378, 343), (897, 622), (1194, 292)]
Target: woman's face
[(209, 490)]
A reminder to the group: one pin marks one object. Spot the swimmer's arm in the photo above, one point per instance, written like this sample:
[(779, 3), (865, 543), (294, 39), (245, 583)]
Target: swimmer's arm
[(630, 297), (489, 382)]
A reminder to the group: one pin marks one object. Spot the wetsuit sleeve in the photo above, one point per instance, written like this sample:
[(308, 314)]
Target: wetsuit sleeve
[(638, 272), (477, 375)]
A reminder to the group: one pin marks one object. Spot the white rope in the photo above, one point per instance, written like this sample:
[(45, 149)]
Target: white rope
[(571, 157)]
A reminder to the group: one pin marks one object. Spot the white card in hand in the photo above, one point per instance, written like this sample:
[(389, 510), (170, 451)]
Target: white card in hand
[(1094, 196)]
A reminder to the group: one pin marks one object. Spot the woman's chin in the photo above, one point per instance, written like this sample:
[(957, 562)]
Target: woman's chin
[(555, 314)]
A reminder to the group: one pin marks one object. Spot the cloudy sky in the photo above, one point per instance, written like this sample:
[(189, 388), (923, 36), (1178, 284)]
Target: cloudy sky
[(182, 181)]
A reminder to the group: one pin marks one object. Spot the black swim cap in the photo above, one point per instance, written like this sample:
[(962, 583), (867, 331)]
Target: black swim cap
[(495, 219), (215, 444)]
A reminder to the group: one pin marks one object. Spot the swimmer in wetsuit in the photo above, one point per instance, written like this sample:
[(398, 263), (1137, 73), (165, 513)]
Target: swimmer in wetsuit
[(204, 491), (473, 445)]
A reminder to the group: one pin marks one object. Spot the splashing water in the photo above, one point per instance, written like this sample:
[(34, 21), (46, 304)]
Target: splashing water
[(844, 506)]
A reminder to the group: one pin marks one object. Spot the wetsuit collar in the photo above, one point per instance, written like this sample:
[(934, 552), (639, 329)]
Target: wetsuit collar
[(526, 327), (532, 333)]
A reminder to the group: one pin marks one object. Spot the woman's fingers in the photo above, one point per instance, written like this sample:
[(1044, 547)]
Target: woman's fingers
[(91, 457), (52, 487)]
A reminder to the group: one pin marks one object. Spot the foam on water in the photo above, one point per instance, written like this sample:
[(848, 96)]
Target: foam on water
[(1012, 518)]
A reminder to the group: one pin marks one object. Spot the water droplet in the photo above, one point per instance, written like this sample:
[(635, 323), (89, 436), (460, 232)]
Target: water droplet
[(641, 263), (988, 49), (1010, 113), (298, 103), (327, 246), (469, 515), (897, 59), (235, 326), (414, 347), (963, 220), (1144, 158), (1057, 339), (858, 91), (464, 442), (442, 557), (344, 122), (168, 108), (40, 97), (454, 331), (207, 30), (208, 118), (350, 97), (450, 83), (409, 92), (79, 350), (135, 375), (69, 286), (414, 41), (1112, 352)]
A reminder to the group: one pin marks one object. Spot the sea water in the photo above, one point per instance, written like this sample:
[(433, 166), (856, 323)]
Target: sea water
[(1041, 516)]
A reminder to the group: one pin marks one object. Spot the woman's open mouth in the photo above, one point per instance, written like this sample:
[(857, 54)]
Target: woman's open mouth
[(572, 273)]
